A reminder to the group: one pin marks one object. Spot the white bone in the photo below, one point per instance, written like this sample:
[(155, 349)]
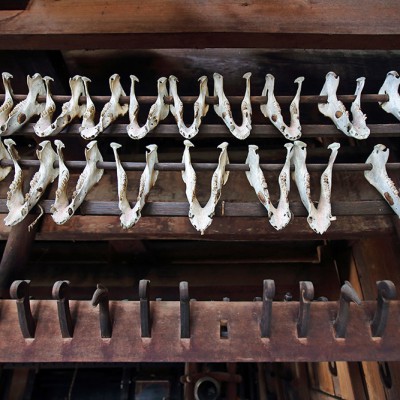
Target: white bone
[(336, 111), (62, 210), (280, 216), (201, 217), (4, 155), (130, 216), (379, 178), (111, 110), (70, 110), (8, 103), (19, 205), (200, 107), (272, 110), (391, 88), (46, 115), (319, 218), (158, 111), (223, 108), (27, 108), (88, 115)]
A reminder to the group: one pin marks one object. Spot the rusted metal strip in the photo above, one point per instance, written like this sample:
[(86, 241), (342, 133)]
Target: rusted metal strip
[(205, 344)]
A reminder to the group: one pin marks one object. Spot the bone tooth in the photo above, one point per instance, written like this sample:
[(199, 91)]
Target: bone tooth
[(130, 216), (379, 178), (70, 110), (88, 115), (280, 216), (88, 178), (336, 111), (47, 114), (272, 109), (318, 218), (201, 217), (158, 111), (359, 118), (27, 108), (224, 111), (200, 107), (8, 103), (391, 88)]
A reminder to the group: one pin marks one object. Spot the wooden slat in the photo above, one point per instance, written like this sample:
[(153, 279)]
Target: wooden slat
[(185, 24), (243, 343)]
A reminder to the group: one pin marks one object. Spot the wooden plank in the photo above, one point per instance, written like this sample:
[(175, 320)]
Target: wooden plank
[(243, 343), (114, 24)]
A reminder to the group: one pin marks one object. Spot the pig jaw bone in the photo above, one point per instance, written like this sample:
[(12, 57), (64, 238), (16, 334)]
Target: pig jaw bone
[(379, 178), (272, 110), (201, 217), (47, 114), (158, 111), (223, 108), (200, 107), (130, 216), (280, 216), (8, 103), (319, 218), (61, 210), (391, 88)]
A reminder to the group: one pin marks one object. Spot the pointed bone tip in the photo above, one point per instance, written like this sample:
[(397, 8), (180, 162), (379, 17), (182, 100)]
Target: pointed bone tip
[(134, 78), (377, 147), (203, 79), (9, 142), (247, 75), (269, 76), (152, 147), (48, 79), (334, 146), (188, 143), (223, 145), (36, 76), (393, 73), (253, 147), (114, 77), (115, 145), (216, 75), (300, 79), (59, 144), (332, 74), (86, 79), (75, 78), (289, 146), (360, 79), (173, 78), (91, 145), (44, 144), (6, 75), (299, 143), (161, 80)]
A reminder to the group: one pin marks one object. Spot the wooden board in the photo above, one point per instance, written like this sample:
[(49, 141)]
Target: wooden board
[(186, 24), (243, 343)]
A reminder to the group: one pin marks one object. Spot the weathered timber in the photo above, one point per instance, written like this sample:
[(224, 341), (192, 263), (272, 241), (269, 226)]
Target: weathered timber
[(205, 344), (183, 24)]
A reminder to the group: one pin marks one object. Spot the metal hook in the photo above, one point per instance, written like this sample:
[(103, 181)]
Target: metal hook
[(185, 309), (19, 291), (347, 295), (386, 292), (100, 297), (266, 313), (306, 296), (60, 293), (145, 322)]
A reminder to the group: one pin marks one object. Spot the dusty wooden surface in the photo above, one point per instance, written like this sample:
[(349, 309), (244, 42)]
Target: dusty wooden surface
[(159, 24), (243, 343)]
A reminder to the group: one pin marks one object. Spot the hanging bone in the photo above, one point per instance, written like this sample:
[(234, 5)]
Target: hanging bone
[(336, 111), (62, 210), (88, 115), (201, 217), (19, 205), (46, 116), (8, 103), (110, 112), (223, 108), (70, 110), (200, 107), (280, 216), (391, 88), (272, 110), (27, 108), (320, 217), (130, 216), (379, 178), (158, 111)]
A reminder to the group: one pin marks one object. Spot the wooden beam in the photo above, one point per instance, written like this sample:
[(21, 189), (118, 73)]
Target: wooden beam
[(189, 24), (243, 343)]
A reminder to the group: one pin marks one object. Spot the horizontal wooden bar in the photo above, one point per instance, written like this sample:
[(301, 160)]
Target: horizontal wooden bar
[(243, 342), (310, 99), (224, 208), (221, 131)]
